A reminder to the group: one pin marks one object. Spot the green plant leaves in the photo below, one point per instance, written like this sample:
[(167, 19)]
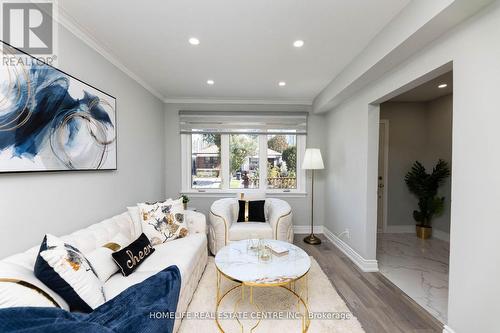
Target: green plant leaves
[(425, 187), (418, 216)]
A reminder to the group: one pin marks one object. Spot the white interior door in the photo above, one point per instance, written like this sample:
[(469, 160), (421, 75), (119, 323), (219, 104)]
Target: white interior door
[(383, 148)]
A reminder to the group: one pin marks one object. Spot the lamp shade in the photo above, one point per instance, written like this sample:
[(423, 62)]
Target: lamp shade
[(312, 159)]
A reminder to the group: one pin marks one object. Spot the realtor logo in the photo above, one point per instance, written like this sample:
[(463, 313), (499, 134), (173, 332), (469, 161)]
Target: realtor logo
[(29, 26)]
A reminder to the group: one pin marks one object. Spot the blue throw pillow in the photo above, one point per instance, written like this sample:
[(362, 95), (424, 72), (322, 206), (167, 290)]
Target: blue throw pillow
[(65, 270)]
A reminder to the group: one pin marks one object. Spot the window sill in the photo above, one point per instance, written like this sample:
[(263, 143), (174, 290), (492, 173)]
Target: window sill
[(224, 194)]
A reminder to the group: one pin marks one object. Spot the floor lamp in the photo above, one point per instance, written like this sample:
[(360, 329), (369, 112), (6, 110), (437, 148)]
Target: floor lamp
[(312, 161)]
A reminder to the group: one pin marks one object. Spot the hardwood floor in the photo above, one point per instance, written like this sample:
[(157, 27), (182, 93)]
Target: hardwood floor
[(378, 304)]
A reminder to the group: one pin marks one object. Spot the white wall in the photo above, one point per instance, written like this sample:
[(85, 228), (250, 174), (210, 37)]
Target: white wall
[(300, 205), (475, 250), (440, 134), (407, 144), (58, 203), (418, 131)]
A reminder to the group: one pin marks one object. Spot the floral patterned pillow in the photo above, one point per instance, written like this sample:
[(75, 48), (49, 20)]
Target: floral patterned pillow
[(65, 270), (163, 221)]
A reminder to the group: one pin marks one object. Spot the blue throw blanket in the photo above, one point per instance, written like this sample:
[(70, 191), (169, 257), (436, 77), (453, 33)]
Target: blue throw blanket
[(143, 307)]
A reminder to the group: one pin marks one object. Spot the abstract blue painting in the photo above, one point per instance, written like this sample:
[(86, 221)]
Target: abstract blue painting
[(51, 121)]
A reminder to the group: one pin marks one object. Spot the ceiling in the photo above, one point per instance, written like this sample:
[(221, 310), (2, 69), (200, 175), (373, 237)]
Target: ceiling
[(428, 91), (245, 46)]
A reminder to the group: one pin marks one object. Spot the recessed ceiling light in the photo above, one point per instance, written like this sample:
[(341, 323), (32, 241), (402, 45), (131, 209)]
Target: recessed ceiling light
[(442, 85), (194, 41), (282, 83), (210, 82), (298, 43)]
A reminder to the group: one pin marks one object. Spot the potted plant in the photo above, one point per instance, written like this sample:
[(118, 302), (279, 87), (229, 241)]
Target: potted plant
[(185, 200), (425, 186)]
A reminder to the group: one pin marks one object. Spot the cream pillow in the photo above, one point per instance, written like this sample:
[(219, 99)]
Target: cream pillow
[(101, 258), (134, 213), (163, 221), (19, 287)]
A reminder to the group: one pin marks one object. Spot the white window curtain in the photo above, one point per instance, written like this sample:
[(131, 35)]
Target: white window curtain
[(243, 122)]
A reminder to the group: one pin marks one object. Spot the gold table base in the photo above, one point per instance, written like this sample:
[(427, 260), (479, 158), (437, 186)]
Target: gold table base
[(290, 286)]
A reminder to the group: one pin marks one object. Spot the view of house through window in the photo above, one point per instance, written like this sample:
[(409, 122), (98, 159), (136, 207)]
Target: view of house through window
[(244, 160), (281, 161), (237, 161), (206, 161)]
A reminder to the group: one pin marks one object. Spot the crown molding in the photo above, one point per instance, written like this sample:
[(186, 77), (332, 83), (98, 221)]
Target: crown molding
[(201, 100), (414, 29), (71, 25), (68, 22)]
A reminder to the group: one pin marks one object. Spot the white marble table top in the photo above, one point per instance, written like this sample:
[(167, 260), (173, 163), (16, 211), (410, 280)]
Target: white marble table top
[(240, 264)]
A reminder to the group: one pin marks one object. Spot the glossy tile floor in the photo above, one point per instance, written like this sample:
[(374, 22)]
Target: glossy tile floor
[(379, 305), (418, 267)]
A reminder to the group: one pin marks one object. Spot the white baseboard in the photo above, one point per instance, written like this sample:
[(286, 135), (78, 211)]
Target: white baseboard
[(306, 229), (448, 329), (366, 265), (409, 229)]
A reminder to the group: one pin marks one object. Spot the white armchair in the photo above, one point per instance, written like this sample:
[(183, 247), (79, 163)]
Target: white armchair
[(224, 229)]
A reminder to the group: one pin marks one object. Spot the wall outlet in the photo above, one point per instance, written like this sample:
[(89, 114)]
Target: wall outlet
[(345, 233)]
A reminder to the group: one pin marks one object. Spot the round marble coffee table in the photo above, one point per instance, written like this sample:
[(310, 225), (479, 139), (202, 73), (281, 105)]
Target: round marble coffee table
[(237, 263)]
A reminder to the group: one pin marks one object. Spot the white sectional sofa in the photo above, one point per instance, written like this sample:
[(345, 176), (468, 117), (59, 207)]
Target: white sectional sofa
[(190, 254)]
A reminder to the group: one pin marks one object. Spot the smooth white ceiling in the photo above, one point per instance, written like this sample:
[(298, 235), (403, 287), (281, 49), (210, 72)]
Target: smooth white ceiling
[(246, 46)]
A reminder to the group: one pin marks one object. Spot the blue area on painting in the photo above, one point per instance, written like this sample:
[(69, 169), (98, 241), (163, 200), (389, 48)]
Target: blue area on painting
[(43, 105)]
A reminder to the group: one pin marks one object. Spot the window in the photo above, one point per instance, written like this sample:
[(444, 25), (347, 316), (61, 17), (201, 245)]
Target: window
[(205, 161), (281, 161), (231, 153), (244, 161)]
